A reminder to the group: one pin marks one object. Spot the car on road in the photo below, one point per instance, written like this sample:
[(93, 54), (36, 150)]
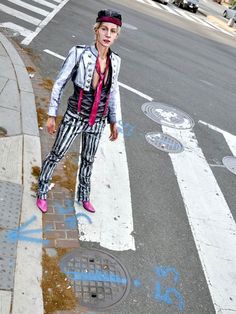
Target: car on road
[(163, 1), (191, 5), (230, 12)]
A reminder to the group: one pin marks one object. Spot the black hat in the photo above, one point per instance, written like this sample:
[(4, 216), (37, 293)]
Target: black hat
[(109, 16)]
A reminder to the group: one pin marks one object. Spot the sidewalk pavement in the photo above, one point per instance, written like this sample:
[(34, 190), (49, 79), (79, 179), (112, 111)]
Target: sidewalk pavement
[(20, 260)]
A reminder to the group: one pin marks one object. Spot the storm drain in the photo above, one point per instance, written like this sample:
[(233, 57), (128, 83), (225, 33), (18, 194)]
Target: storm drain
[(167, 115), (230, 163), (164, 142), (98, 279)]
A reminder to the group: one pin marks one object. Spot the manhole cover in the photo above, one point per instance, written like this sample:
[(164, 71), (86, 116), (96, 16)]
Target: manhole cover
[(3, 132), (164, 142), (230, 163), (99, 280), (168, 116)]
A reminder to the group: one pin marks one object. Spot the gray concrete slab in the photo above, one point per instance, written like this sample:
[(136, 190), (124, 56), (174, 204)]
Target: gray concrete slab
[(2, 51), (11, 51), (28, 114), (5, 302), (3, 81), (10, 204), (11, 121), (6, 68), (7, 261), (23, 79), (10, 88), (11, 167), (27, 297)]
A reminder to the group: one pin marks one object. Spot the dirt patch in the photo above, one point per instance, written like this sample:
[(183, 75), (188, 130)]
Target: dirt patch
[(47, 84), (57, 291), (30, 69), (70, 170), (42, 116), (35, 171)]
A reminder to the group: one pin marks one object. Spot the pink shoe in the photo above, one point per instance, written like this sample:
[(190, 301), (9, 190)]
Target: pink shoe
[(42, 205), (88, 206)]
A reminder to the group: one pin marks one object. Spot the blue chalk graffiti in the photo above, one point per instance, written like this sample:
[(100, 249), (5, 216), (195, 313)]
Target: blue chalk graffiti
[(71, 222), (163, 272), (125, 128), (96, 276), (21, 232)]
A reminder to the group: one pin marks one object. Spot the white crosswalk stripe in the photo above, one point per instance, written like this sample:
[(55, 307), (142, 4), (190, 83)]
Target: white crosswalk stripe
[(46, 3), (187, 15), (29, 7), (21, 12)]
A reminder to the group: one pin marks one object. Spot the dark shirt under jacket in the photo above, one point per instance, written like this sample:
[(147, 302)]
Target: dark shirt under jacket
[(88, 99)]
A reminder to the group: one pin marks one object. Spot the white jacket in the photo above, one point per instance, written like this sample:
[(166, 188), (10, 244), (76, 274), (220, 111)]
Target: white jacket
[(83, 59)]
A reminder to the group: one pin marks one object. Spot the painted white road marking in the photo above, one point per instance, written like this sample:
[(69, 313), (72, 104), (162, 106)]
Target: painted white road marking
[(54, 54), (21, 30), (29, 7), (112, 224), (19, 14), (46, 3), (211, 221), (229, 138), (29, 38)]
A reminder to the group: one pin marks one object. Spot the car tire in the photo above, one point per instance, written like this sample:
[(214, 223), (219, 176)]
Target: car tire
[(194, 10), (225, 14)]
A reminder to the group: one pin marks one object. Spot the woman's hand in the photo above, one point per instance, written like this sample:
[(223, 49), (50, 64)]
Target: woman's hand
[(51, 125), (114, 132)]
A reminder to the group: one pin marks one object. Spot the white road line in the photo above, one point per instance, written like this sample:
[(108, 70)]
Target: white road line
[(202, 22), (29, 38), (229, 138), (21, 30), (220, 29), (211, 221), (29, 7), (46, 3), (57, 1), (153, 4), (133, 90), (170, 10), (19, 15), (180, 12), (54, 54), (141, 1)]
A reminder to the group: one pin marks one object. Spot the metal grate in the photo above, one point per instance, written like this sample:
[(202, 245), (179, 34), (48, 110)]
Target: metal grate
[(10, 204), (230, 163), (164, 142), (99, 280), (167, 115)]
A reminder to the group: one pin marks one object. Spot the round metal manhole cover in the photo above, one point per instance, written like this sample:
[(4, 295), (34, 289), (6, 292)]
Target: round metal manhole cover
[(167, 115), (3, 132), (98, 279), (164, 142), (230, 163)]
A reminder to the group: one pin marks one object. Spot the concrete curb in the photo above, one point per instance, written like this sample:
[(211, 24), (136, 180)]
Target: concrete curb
[(27, 293), (222, 24)]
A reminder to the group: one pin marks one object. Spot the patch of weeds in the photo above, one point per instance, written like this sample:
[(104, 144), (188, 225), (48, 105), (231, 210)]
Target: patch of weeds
[(47, 83), (58, 294), (35, 171), (30, 69), (42, 116)]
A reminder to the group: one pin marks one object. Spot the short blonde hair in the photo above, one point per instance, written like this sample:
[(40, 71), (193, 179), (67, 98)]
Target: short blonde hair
[(97, 25)]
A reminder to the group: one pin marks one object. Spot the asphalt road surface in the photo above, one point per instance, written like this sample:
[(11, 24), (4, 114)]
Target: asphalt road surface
[(187, 65)]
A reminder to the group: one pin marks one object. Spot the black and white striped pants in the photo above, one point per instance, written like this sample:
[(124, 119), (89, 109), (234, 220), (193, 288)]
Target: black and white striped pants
[(70, 126)]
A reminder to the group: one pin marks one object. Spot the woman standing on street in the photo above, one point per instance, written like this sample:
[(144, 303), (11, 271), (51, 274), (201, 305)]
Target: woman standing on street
[(94, 72)]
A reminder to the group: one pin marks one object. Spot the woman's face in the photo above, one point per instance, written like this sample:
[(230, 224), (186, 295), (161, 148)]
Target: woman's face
[(106, 34)]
